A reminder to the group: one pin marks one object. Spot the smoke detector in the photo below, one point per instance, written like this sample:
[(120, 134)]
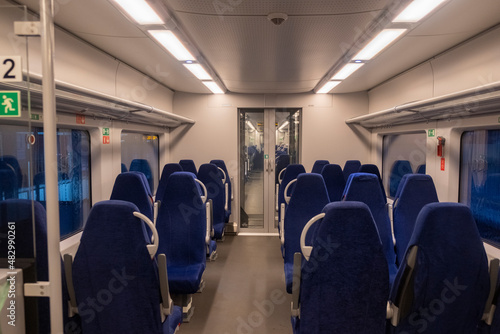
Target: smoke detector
[(277, 18)]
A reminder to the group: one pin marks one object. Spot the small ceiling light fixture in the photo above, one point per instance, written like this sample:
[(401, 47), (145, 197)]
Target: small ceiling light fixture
[(198, 71), (284, 125), (140, 11), (277, 18), (346, 71), (417, 10), (213, 87), (328, 87), (381, 41), (173, 45)]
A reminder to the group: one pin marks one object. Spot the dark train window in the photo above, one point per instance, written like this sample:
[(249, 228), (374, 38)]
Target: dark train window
[(18, 161), (140, 152), (402, 154), (480, 180)]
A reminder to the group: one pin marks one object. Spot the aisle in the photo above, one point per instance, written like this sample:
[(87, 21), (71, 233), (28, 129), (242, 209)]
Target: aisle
[(244, 292)]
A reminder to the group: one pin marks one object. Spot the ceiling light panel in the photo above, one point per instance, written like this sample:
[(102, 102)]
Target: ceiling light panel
[(417, 10), (347, 70), (140, 11), (213, 87), (381, 41), (173, 45), (328, 87), (198, 71)]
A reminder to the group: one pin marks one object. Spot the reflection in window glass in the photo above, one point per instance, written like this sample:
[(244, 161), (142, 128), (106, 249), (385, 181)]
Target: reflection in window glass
[(402, 154), (73, 157), (480, 180), (140, 152)]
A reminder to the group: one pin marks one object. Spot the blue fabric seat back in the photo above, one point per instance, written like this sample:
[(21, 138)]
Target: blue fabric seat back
[(12, 163), (364, 187), (8, 184), (373, 169), (420, 169), (308, 199), (168, 170), (211, 177), (282, 162), (398, 170), (450, 282), (124, 168), (130, 187), (20, 212), (334, 181), (142, 165), (113, 267), (345, 283), (416, 191), (181, 222), (318, 166), (290, 173), (350, 166), (221, 164), (188, 166)]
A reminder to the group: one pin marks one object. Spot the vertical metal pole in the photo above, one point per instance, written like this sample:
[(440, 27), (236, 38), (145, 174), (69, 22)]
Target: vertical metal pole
[(51, 179)]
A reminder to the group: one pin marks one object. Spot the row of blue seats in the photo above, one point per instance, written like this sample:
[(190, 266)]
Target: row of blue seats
[(341, 282)]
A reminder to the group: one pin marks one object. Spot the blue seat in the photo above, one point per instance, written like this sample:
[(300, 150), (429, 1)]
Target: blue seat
[(334, 181), (364, 187), (373, 169), (142, 165), (124, 168), (181, 225), (8, 183), (11, 162), (350, 166), (188, 166), (420, 169), (282, 162), (416, 190), (291, 172), (398, 170), (308, 198), (221, 164), (113, 267), (211, 177), (168, 170), (344, 284), (318, 166), (443, 283), (130, 187), (20, 212)]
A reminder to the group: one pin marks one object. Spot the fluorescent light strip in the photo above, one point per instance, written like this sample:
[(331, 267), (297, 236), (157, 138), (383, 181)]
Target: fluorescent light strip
[(417, 10), (346, 71), (284, 125), (140, 11), (213, 87), (328, 87), (170, 42), (198, 71), (250, 125), (382, 40)]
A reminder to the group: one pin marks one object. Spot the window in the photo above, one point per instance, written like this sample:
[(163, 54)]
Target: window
[(140, 152), (480, 180), (402, 154), (73, 163)]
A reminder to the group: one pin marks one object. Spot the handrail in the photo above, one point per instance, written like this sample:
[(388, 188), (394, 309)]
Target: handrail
[(205, 196), (152, 249), (307, 250), (287, 198)]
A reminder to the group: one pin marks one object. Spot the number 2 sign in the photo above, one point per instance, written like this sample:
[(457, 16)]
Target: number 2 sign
[(10, 69)]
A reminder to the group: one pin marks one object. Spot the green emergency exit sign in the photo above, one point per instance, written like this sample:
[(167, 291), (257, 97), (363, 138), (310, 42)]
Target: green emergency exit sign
[(105, 131), (431, 132), (10, 104)]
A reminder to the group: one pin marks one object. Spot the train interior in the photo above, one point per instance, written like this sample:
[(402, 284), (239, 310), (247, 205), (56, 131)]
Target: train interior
[(277, 170)]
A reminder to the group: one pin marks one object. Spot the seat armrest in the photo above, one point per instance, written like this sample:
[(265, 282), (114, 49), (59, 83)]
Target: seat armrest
[(297, 265), (68, 273), (167, 304), (282, 223), (489, 309), (208, 208)]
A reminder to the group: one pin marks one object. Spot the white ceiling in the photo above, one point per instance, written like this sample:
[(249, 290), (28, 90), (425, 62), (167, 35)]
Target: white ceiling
[(251, 55)]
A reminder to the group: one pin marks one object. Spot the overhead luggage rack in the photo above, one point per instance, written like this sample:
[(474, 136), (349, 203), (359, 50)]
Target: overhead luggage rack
[(475, 101), (78, 100)]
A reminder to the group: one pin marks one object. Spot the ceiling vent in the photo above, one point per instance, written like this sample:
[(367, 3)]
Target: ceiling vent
[(277, 18)]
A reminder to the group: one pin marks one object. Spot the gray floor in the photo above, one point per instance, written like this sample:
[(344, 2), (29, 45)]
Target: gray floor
[(244, 292)]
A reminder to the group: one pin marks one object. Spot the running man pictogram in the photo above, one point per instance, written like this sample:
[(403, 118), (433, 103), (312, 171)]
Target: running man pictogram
[(7, 102)]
